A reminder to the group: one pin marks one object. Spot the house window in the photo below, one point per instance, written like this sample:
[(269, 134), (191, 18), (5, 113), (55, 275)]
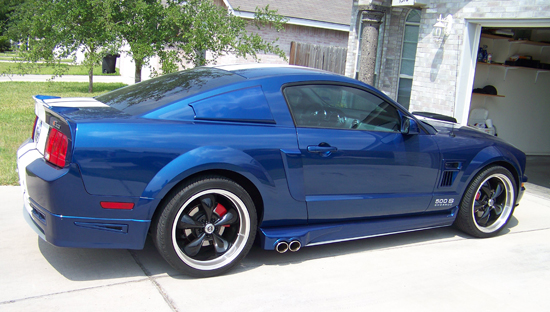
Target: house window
[(410, 42)]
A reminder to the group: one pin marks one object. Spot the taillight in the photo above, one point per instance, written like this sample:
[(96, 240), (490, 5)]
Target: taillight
[(56, 148)]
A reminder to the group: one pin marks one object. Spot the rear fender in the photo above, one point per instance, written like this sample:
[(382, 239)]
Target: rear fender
[(207, 158)]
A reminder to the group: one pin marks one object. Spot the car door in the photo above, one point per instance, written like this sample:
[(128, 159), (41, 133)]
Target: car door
[(356, 162)]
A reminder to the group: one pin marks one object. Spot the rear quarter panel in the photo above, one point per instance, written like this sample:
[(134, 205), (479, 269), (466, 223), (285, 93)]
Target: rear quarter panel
[(146, 157)]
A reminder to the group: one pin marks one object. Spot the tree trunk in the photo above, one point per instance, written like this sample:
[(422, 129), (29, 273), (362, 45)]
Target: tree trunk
[(369, 44), (91, 79), (139, 65)]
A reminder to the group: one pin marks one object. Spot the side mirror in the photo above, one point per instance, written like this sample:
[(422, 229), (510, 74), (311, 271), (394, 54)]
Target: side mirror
[(409, 126)]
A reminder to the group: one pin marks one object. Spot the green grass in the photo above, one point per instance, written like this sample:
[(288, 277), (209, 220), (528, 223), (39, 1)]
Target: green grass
[(11, 58), (5, 57), (41, 69), (17, 115)]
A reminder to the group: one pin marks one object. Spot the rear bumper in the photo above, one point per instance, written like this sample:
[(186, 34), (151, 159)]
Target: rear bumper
[(58, 208), (66, 231)]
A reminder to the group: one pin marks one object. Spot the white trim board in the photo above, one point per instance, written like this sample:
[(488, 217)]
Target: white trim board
[(300, 22)]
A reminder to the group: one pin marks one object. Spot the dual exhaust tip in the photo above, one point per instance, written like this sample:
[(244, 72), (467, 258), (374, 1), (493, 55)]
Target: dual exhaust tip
[(283, 246)]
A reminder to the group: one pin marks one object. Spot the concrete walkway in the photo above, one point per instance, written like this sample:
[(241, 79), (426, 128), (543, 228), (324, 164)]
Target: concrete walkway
[(433, 270), (66, 78)]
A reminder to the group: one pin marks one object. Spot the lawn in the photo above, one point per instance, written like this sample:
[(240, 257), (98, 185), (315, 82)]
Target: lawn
[(15, 68), (4, 57), (17, 115), (11, 56)]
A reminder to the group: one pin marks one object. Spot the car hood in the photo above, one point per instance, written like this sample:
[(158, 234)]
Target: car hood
[(450, 136), (455, 129)]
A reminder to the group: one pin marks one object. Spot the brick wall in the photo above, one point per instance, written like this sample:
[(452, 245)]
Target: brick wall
[(353, 44), (291, 33), (437, 61)]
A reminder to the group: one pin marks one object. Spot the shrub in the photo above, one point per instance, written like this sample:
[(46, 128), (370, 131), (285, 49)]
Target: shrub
[(5, 44)]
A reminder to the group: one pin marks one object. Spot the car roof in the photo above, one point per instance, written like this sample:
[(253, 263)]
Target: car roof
[(253, 71), (258, 71)]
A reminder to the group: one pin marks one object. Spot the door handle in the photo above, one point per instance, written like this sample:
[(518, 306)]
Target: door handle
[(323, 150)]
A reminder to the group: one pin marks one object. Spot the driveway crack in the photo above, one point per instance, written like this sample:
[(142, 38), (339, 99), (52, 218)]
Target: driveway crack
[(69, 291), (154, 281)]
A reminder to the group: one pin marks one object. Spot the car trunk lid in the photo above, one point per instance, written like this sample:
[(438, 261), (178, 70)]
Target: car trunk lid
[(52, 133)]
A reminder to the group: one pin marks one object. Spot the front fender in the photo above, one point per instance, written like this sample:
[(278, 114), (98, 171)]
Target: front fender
[(487, 156), (207, 158)]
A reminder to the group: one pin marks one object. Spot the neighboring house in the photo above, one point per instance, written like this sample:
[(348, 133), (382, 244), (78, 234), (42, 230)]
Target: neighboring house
[(319, 22), (430, 68)]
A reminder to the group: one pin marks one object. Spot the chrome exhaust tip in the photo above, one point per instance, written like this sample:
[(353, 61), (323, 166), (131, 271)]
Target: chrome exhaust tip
[(281, 247), (294, 246)]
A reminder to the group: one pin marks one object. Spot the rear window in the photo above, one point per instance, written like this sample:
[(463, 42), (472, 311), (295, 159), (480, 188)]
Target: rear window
[(154, 93)]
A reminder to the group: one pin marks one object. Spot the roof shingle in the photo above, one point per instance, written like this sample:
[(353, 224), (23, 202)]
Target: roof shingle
[(332, 11)]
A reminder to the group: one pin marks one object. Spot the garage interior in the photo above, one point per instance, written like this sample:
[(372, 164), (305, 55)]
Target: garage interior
[(516, 62)]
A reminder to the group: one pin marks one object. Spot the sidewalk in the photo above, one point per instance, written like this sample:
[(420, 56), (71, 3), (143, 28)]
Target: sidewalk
[(66, 78)]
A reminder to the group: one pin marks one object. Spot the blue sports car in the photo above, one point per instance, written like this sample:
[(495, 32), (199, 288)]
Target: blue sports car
[(209, 160)]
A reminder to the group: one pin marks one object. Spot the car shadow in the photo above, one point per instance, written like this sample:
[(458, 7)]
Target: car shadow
[(258, 257), (78, 264)]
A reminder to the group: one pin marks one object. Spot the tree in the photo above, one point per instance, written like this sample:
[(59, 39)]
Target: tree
[(177, 31), (6, 8), (56, 29), (203, 26), (139, 23), (181, 31)]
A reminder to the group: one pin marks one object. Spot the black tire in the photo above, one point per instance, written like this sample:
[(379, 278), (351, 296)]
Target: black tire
[(488, 203), (199, 247)]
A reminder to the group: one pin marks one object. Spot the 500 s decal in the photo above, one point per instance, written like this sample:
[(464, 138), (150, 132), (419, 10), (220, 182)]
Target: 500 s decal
[(444, 202)]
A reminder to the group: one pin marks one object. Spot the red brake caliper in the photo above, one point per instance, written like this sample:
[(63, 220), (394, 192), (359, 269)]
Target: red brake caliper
[(221, 211), (478, 195)]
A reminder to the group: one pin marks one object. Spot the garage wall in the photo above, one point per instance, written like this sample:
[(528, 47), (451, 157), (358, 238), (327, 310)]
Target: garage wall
[(522, 116)]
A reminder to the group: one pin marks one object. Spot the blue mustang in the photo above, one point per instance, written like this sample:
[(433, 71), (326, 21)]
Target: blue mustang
[(209, 159)]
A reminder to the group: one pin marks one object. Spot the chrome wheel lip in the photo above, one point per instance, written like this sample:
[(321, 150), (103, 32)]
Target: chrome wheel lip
[(508, 204), (238, 245)]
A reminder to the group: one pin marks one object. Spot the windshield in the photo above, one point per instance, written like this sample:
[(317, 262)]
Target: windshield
[(154, 93)]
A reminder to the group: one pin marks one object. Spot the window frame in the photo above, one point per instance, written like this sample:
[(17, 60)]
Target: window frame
[(405, 76)]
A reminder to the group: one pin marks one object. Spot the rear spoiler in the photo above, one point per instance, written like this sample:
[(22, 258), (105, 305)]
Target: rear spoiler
[(40, 106)]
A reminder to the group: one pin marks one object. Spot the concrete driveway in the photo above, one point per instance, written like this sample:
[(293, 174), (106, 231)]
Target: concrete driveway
[(433, 270)]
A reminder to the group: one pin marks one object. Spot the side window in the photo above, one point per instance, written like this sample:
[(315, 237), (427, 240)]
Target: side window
[(340, 107)]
